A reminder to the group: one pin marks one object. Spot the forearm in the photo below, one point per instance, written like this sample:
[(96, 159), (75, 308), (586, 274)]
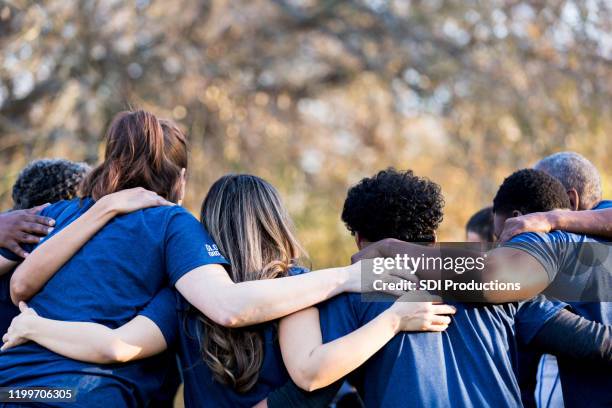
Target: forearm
[(88, 342), (330, 362), (569, 335), (511, 267), (36, 270), (590, 222), (247, 303)]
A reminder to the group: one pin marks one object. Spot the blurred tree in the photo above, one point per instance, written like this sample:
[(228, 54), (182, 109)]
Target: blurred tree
[(313, 95)]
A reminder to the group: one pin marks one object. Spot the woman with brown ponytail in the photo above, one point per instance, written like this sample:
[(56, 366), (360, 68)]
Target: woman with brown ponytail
[(229, 354)]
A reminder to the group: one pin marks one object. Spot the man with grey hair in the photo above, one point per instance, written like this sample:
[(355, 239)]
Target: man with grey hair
[(583, 185), (578, 175), (590, 216)]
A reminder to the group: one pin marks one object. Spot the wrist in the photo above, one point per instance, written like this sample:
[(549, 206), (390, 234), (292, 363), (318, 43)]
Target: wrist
[(31, 326), (393, 319), (350, 278), (104, 207), (553, 220)]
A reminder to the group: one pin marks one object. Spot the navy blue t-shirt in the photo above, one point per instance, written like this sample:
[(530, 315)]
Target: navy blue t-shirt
[(603, 204), (471, 364), (201, 389), (561, 253), (110, 280), (7, 309)]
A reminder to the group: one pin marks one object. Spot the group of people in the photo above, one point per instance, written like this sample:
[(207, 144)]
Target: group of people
[(111, 289)]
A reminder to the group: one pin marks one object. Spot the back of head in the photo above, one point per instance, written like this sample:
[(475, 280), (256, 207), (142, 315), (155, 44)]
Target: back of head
[(481, 223), (141, 151), (574, 172), (48, 181), (528, 191), (394, 204), (245, 217)]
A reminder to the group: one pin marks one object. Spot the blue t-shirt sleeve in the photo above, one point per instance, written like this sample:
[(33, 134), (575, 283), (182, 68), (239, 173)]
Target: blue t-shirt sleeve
[(548, 249), (188, 246), (162, 311), (338, 317), (603, 204), (533, 314)]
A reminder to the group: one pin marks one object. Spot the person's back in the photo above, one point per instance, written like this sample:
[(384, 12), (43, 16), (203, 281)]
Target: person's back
[(41, 182), (109, 281), (118, 274), (584, 282), (579, 268), (469, 365)]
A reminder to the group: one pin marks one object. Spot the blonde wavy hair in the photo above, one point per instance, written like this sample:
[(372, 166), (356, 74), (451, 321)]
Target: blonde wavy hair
[(246, 219)]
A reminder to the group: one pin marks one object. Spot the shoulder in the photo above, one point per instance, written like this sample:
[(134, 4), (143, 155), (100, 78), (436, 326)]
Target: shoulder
[(55, 210), (603, 204), (544, 238), (298, 270), (174, 217)]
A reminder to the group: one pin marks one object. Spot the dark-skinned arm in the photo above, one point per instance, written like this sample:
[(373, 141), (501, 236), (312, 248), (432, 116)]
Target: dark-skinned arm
[(504, 264)]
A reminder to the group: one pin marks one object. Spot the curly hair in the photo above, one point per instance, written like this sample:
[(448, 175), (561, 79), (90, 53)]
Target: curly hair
[(529, 191), (394, 204), (48, 181)]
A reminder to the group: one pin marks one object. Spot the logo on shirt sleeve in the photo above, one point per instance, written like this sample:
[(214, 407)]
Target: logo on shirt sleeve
[(212, 250)]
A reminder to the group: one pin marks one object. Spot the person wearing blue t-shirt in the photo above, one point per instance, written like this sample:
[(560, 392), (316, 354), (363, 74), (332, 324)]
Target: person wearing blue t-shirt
[(473, 363), (591, 214), (220, 366), (39, 184), (585, 286)]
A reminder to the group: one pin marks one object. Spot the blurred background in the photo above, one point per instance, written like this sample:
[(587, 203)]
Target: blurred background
[(314, 95)]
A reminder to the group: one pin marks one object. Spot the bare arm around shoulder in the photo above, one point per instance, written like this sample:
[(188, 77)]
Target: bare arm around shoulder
[(38, 267), (210, 289), (589, 222), (88, 342), (502, 264), (313, 365)]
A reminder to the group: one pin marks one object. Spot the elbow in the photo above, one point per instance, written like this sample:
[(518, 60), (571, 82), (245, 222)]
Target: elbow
[(20, 291), (308, 379), (233, 315), (229, 319), (116, 352), (305, 382)]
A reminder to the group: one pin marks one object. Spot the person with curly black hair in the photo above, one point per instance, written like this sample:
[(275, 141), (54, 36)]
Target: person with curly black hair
[(394, 204), (40, 183), (527, 191), (48, 181)]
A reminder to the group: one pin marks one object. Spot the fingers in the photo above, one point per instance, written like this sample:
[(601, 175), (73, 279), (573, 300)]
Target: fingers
[(443, 309), (36, 210), (15, 248), (163, 202), (23, 307), (36, 228), (45, 222), (439, 320), (437, 328), (25, 238)]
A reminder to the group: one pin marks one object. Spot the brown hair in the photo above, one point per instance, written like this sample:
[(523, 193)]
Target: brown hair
[(246, 219), (141, 151)]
